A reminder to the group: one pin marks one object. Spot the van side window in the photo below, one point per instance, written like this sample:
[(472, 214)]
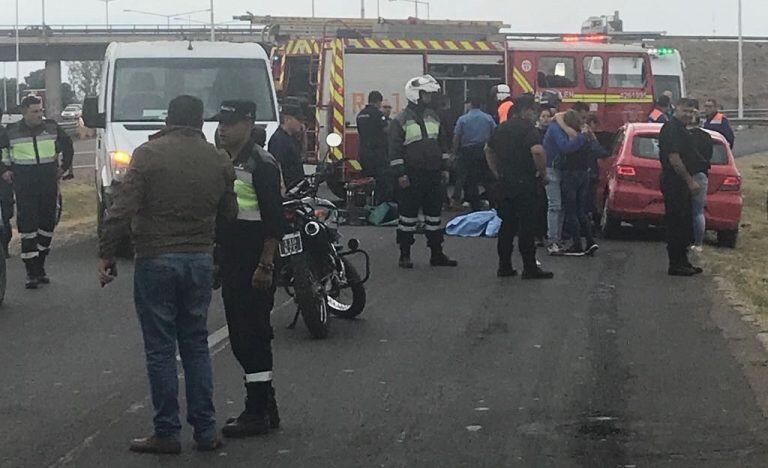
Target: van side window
[(593, 72), (557, 72), (626, 72)]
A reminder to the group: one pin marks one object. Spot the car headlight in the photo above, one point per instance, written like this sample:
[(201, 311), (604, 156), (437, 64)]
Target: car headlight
[(120, 162)]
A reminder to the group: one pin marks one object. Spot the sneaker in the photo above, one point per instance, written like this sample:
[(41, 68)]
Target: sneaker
[(697, 249), (592, 250), (554, 249), (156, 445), (247, 425), (573, 251), (506, 272), (442, 260), (209, 446), (537, 273)]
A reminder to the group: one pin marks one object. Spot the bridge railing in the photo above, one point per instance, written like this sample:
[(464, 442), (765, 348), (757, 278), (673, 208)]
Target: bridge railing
[(123, 29)]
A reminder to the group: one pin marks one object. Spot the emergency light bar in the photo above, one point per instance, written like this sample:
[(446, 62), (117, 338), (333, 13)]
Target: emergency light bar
[(589, 38), (662, 51)]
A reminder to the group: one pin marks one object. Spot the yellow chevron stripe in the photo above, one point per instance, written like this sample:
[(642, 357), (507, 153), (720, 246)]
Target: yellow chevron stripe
[(338, 116), (467, 45), (338, 99), (355, 165), (371, 43), (388, 44), (451, 45), (520, 79), (420, 45), (338, 80), (482, 46), (436, 45), (403, 44), (336, 153)]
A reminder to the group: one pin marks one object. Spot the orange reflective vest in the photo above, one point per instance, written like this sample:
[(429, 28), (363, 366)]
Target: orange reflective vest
[(504, 108)]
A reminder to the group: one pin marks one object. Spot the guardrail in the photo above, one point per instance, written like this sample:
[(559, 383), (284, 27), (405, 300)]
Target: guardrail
[(160, 29), (748, 113)]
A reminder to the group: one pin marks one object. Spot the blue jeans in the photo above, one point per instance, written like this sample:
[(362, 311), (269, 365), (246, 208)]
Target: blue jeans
[(554, 206), (575, 189), (172, 293), (699, 202)]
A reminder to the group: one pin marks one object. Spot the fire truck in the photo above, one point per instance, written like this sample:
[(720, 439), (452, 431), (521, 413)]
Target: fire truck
[(334, 76)]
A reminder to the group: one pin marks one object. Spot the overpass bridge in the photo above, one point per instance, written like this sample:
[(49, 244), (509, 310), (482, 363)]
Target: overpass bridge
[(54, 44)]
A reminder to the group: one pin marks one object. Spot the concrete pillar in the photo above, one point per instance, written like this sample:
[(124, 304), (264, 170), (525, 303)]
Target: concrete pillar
[(53, 89)]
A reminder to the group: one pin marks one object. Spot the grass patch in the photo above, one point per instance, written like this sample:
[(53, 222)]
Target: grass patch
[(79, 197), (745, 267)]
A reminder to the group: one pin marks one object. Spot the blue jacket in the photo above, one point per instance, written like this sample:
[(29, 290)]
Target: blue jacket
[(720, 124), (557, 143)]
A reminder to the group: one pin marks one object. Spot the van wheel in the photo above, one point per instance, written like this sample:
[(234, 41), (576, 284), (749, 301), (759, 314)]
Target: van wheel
[(727, 239), (609, 224)]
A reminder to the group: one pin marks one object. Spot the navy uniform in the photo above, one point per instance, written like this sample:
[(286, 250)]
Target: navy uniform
[(32, 154), (372, 127), (415, 154), (239, 248)]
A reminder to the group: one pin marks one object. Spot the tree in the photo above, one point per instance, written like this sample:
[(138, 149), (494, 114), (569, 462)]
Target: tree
[(68, 95), (85, 77), (36, 79), (10, 94)]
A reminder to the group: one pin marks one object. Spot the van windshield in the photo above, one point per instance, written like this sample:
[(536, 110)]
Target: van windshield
[(647, 147), (144, 87)]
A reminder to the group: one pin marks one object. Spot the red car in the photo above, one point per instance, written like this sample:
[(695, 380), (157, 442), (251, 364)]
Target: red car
[(629, 185)]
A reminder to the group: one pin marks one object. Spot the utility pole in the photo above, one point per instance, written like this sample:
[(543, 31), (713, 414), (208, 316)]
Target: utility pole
[(213, 24), (362, 9), (106, 10), (43, 14), (741, 64), (17, 52), (313, 8)]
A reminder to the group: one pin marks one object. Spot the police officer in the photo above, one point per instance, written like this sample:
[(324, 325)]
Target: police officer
[(31, 164), (6, 197), (659, 114), (246, 251), (420, 167), (285, 145), (372, 127), (516, 156)]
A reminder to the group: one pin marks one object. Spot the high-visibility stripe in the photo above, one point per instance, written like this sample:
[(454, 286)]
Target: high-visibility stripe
[(355, 165), (431, 228), (433, 219), (451, 45), (436, 45), (259, 377), (420, 44), (43, 248), (33, 162), (407, 220), (446, 156), (45, 233), (521, 81), (406, 228), (397, 162), (29, 255), (247, 201), (28, 235)]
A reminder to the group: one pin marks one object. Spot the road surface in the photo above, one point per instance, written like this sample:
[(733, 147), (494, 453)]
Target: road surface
[(612, 364)]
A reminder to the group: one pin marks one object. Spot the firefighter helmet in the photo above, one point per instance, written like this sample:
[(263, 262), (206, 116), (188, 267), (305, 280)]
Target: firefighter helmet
[(503, 92), (415, 86)]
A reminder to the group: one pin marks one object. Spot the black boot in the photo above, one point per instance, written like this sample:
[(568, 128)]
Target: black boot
[(42, 276), (506, 271), (31, 266), (254, 420), (272, 412), (440, 259), (405, 257)]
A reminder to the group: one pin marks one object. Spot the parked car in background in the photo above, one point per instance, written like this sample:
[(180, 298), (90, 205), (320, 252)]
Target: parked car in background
[(72, 112), (630, 191)]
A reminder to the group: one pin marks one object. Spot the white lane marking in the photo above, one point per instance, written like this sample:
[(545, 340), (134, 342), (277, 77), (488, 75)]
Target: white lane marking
[(214, 339), (80, 153), (482, 409), (474, 428), (86, 166)]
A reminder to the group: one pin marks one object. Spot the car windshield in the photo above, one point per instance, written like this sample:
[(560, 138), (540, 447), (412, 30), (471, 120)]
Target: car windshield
[(647, 147), (144, 87)]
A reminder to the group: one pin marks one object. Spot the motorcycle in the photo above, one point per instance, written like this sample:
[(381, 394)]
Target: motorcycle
[(315, 268)]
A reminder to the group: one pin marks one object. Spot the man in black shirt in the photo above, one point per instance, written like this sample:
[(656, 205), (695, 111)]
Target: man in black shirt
[(372, 127), (678, 153), (516, 157), (285, 147)]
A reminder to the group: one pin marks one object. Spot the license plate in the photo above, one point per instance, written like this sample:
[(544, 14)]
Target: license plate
[(291, 245)]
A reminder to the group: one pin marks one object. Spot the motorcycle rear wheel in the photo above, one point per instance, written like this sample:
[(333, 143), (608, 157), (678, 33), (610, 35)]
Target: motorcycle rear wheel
[(310, 297), (342, 306)]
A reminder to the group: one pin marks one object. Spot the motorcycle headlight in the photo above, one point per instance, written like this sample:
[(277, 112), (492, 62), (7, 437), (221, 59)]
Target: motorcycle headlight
[(322, 214)]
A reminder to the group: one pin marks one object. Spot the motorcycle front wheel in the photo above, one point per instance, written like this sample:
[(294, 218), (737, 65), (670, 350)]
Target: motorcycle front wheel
[(310, 297), (350, 301)]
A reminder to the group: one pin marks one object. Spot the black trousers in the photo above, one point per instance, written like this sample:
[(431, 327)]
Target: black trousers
[(517, 211), (248, 312), (36, 190), (476, 173), (7, 210), (542, 207), (425, 193), (679, 220)]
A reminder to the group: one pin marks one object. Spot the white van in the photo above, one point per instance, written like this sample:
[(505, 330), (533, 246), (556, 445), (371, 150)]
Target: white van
[(140, 79), (668, 72)]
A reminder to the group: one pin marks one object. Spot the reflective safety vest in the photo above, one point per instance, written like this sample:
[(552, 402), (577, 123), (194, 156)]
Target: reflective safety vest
[(655, 116), (504, 109), (413, 131), (27, 149), (247, 201), (717, 119)]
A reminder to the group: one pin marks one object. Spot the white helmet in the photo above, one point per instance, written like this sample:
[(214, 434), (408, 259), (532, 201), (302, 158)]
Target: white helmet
[(503, 92), (420, 83)]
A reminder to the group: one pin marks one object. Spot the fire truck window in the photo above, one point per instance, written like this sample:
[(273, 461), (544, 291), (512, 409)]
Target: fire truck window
[(593, 72), (626, 72), (556, 72)]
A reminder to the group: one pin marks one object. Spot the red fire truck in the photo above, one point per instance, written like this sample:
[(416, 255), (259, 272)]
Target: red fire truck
[(335, 76)]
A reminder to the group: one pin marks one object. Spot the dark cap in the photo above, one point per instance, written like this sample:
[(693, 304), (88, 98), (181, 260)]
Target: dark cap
[(292, 110), (234, 111)]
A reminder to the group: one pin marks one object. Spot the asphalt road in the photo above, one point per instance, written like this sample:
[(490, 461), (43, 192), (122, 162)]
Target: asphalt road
[(612, 364)]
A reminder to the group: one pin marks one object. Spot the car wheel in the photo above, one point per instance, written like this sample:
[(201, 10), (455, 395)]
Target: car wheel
[(609, 224), (728, 239)]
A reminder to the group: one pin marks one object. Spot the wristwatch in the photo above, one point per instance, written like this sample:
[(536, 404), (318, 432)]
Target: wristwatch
[(264, 267)]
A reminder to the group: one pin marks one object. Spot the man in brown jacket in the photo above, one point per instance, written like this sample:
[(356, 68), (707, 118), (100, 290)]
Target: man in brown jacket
[(175, 188)]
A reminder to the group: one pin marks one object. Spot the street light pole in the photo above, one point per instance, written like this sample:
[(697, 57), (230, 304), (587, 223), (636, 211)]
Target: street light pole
[(213, 24), (313, 8), (106, 10), (362, 9), (741, 65), (17, 52), (43, 14)]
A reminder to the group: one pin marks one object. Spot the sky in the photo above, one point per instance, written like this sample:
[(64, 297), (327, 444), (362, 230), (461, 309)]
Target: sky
[(678, 17)]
